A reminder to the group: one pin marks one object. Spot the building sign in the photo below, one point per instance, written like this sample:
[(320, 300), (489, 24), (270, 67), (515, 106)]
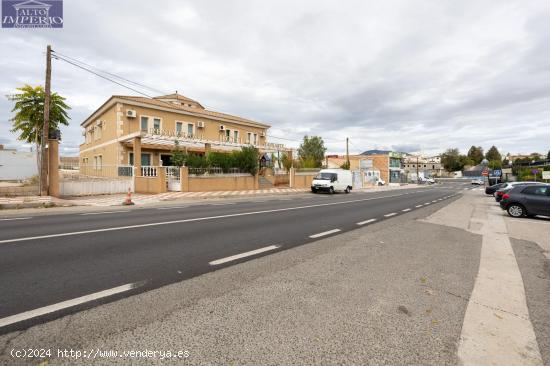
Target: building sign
[(32, 14), (546, 174), (393, 154)]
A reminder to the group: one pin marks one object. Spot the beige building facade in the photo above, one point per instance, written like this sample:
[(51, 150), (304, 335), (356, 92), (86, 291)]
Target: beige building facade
[(131, 131)]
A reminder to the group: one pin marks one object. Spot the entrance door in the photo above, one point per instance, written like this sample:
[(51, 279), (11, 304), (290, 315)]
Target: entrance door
[(166, 159)]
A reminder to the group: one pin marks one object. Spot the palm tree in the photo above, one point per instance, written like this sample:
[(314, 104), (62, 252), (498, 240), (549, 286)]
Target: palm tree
[(28, 121)]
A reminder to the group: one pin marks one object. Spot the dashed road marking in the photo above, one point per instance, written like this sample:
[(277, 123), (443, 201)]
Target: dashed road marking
[(406, 210), (67, 304), (390, 214), (324, 233), (243, 255), (366, 222)]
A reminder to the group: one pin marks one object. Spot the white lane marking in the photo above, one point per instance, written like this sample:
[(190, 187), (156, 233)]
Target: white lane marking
[(427, 203), (366, 222), (406, 210), (434, 201), (171, 208), (223, 204), (390, 214), (190, 220), (66, 304), (102, 212), (16, 218), (417, 206), (440, 199), (324, 233), (243, 255)]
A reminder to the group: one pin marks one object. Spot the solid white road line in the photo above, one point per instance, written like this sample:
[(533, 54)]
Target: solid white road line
[(16, 218), (102, 212), (171, 208), (223, 204), (417, 206), (65, 304), (116, 228), (243, 255), (366, 222), (406, 210), (324, 233), (390, 214)]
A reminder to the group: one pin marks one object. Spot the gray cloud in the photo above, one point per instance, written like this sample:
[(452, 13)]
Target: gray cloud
[(416, 76)]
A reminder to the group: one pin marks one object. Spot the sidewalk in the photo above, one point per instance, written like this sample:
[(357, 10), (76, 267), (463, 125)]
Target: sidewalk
[(142, 199)]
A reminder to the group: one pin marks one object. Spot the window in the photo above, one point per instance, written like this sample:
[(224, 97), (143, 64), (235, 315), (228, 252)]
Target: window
[(156, 125), (190, 129), (97, 132), (235, 136), (255, 139), (248, 138), (144, 124), (99, 162), (145, 159), (179, 128), (536, 190), (227, 135)]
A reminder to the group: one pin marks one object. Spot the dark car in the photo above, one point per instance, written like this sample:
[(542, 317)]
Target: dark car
[(508, 187), (492, 189), (527, 200)]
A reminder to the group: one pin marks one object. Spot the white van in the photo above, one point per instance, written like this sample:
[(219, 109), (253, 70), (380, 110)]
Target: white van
[(332, 180)]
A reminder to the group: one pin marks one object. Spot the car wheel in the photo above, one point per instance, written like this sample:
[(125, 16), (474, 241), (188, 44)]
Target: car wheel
[(331, 190), (347, 190), (313, 190), (516, 210)]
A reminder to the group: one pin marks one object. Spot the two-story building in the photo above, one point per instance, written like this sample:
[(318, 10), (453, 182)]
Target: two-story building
[(374, 164), (138, 131)]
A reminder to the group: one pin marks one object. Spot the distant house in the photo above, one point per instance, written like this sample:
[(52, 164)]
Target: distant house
[(385, 164)]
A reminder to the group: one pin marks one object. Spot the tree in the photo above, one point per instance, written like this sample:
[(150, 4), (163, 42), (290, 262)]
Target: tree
[(451, 160), (29, 113), (178, 156), (28, 121), (493, 154), (313, 150), (475, 154)]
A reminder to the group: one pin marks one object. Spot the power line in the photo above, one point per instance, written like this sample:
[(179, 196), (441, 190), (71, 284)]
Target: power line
[(110, 73), (57, 57)]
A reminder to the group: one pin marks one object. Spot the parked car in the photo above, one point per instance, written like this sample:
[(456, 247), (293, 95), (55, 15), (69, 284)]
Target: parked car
[(527, 200), (508, 187), (429, 180), (492, 189), (332, 180), (477, 181)]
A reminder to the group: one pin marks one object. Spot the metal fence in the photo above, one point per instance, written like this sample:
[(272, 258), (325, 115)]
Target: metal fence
[(87, 172), (216, 170)]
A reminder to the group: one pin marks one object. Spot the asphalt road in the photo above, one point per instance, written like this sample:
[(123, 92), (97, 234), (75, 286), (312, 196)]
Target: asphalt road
[(54, 259)]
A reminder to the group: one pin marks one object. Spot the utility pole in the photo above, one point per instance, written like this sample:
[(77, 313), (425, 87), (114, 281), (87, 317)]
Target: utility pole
[(347, 153), (46, 127), (417, 177)]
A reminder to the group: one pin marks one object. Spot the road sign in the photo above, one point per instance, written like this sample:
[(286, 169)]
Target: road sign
[(485, 173), (497, 173), (546, 174), (535, 171)]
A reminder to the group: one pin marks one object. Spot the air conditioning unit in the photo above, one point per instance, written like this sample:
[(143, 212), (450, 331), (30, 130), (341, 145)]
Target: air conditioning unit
[(98, 123), (200, 124), (222, 128), (131, 113), (262, 134)]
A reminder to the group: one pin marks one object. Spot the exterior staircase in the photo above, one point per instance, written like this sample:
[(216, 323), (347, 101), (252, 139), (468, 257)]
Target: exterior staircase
[(264, 183)]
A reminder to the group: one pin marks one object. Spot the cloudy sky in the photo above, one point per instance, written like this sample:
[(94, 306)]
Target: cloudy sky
[(403, 75)]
